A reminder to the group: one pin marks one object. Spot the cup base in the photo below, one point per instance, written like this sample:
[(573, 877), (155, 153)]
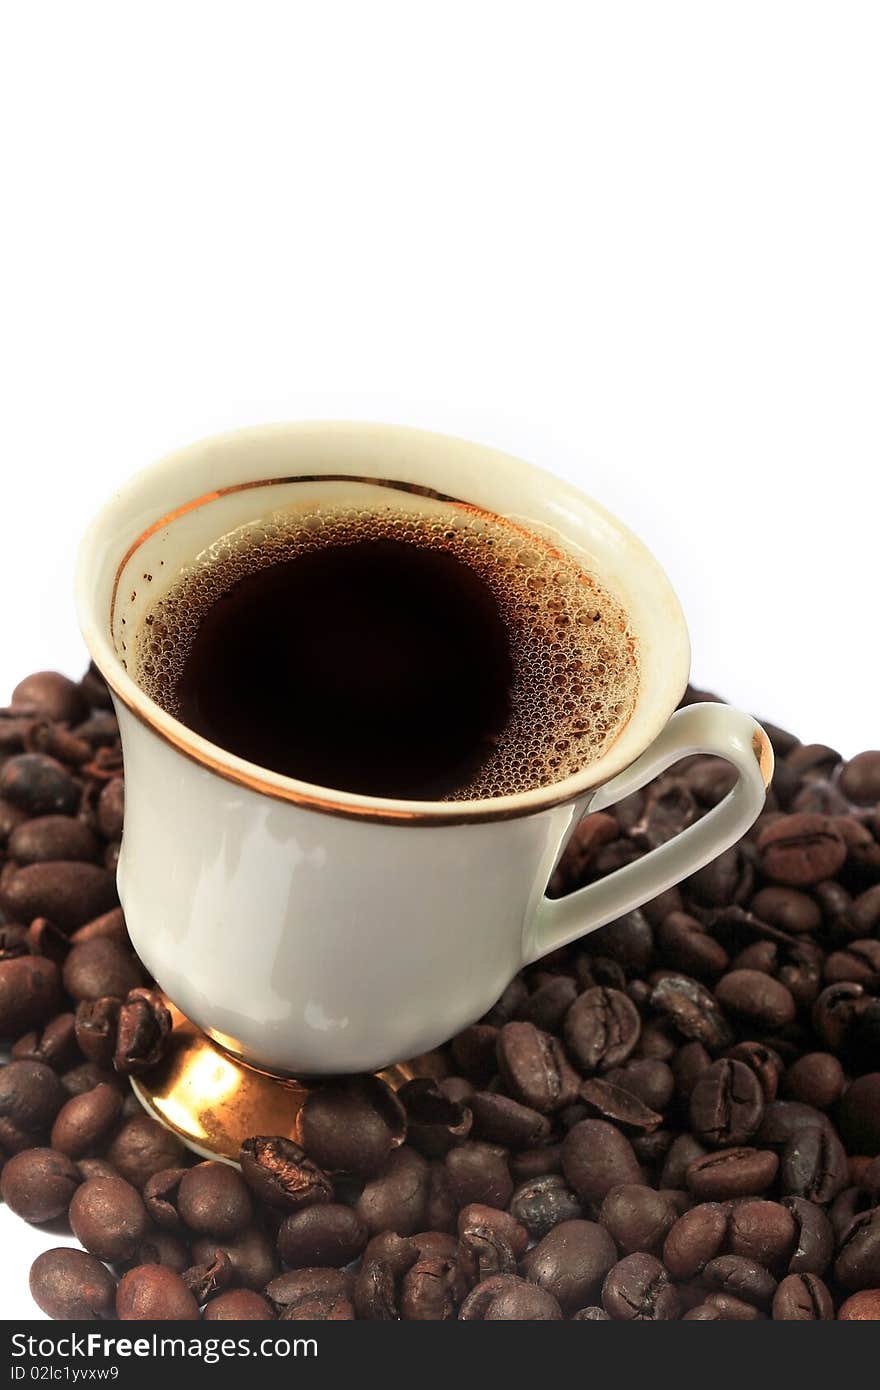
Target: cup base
[(212, 1101)]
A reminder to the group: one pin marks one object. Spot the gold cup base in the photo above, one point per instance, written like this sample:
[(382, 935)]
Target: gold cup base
[(212, 1101)]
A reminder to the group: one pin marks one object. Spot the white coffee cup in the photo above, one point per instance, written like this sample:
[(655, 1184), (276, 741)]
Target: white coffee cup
[(310, 930)]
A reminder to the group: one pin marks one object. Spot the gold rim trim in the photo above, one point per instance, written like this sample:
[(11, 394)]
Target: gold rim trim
[(315, 800), (763, 751)]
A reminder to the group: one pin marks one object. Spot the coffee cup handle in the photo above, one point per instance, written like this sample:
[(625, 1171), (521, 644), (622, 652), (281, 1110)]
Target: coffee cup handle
[(702, 728)]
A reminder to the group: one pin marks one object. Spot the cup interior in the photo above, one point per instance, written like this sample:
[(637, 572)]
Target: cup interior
[(175, 511)]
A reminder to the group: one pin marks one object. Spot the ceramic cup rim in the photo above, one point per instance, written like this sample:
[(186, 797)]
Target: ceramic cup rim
[(95, 626)]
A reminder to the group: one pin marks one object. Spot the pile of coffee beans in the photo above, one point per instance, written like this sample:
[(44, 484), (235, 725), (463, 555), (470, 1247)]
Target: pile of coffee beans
[(678, 1117)]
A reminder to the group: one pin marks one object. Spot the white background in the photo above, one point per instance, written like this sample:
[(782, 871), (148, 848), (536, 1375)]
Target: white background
[(635, 243)]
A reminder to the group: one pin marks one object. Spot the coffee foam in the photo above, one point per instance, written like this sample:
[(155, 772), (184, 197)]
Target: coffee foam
[(573, 653)]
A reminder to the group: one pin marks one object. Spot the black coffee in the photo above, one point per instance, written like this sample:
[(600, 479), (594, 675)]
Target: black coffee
[(393, 654)]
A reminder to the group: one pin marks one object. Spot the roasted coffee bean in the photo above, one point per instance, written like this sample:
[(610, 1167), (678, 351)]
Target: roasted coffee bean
[(49, 838), (800, 850), (84, 1121), (688, 947), (788, 909), (72, 1285), (534, 1067), (143, 1147), (307, 1295), (30, 993), (597, 1157), (691, 1010), (726, 1104), (203, 1281), (30, 1097), (69, 893), (621, 1107), (756, 998), (51, 695), (434, 1122), (156, 1294), (142, 1031), (55, 1044), (506, 1298), (601, 1029), (730, 1173), (741, 1277), (861, 1307), (637, 1217), (860, 1114), (762, 1231), (108, 1217), (39, 785), (500, 1120), (480, 1173), (802, 1298), (38, 1184), (278, 1173), (376, 1293), (763, 1061), (860, 779), (648, 1078), (351, 1128), (101, 967), (638, 1289), (815, 1237), (847, 1020), (428, 1290), (543, 1202), (238, 1305), (397, 1199), (95, 1026), (858, 1261), (328, 1234), (814, 1165), (571, 1262), (695, 1239), (490, 1241), (213, 1200), (252, 1254)]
